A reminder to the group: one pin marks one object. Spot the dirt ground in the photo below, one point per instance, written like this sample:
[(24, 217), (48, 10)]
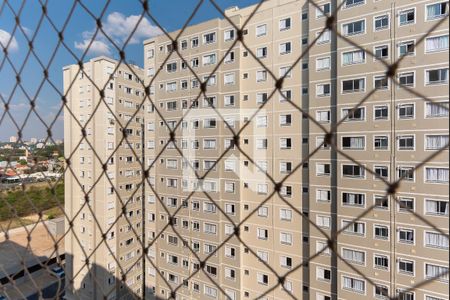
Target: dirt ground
[(18, 249)]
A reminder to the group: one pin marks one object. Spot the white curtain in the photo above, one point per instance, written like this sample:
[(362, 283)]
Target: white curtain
[(433, 11), (358, 285), (440, 109), (437, 174), (437, 43), (347, 282)]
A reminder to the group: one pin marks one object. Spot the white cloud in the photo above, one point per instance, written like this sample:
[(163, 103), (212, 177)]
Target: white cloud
[(96, 48), (4, 40), (19, 106), (118, 28)]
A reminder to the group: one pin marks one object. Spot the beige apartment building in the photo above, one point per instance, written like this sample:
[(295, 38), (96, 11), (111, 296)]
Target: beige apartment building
[(102, 246), (201, 186), (390, 133)]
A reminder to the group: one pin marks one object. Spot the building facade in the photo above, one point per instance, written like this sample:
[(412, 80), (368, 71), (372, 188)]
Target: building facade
[(389, 133), (242, 185), (105, 176)]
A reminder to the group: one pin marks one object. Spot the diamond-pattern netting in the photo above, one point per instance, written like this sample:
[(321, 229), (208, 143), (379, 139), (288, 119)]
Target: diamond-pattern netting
[(31, 95)]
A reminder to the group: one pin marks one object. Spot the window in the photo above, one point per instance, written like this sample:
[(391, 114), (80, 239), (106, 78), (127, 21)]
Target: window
[(323, 274), (209, 38), (209, 144), (382, 52), (358, 114), (285, 24), (406, 111), (354, 256), (323, 169), (323, 116), (323, 10), (171, 86), (406, 48), (194, 62), (407, 173), (285, 214), (436, 43), (262, 188), (285, 238), (381, 232), (436, 207), (353, 199), (285, 72), (325, 36), (261, 76), (323, 90), (228, 100), (323, 221), (353, 85), (355, 142), (381, 82), (406, 236), (436, 175), (261, 30), (261, 144), (354, 28), (261, 52), (406, 266), (209, 207), (381, 142), (285, 167), (230, 209), (323, 195), (437, 10), (261, 98), (381, 291), (210, 291), (353, 284), (171, 67), (262, 234), (403, 295), (285, 143), (407, 16), (263, 211), (405, 142), (436, 240), (354, 227), (382, 171), (351, 3), (381, 112), (209, 59), (381, 261), (434, 271), (209, 228), (229, 58), (285, 95), (353, 171), (438, 76), (286, 120), (150, 53), (323, 63), (322, 247), (262, 278), (229, 35), (381, 22), (439, 109), (353, 57), (286, 262), (285, 48), (435, 142), (228, 78)]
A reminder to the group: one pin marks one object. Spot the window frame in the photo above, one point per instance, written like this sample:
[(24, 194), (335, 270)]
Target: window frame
[(403, 10)]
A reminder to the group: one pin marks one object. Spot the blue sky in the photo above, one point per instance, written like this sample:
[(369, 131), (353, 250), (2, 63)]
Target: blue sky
[(118, 19)]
